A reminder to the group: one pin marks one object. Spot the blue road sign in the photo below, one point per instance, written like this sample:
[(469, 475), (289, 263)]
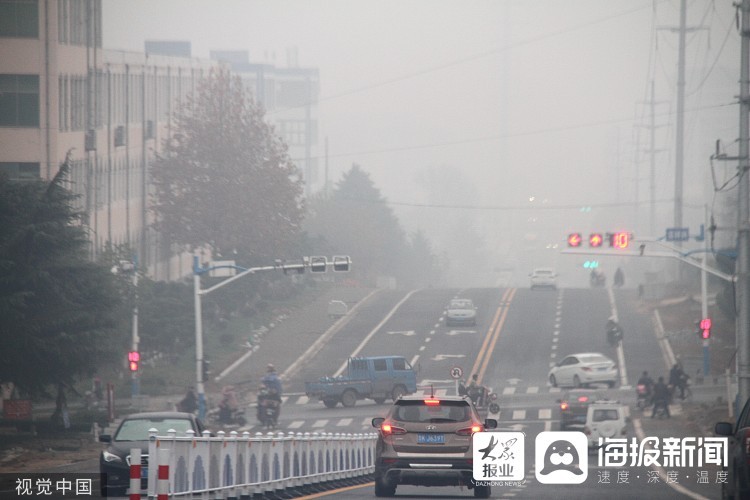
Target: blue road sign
[(678, 233)]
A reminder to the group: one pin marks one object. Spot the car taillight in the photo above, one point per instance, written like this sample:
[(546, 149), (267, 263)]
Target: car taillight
[(468, 431), (563, 406), (432, 402), (587, 431), (583, 399), (391, 430)]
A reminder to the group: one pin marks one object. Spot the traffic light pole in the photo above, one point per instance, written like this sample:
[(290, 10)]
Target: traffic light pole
[(315, 264)]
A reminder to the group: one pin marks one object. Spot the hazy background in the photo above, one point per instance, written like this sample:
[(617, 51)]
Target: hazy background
[(518, 112)]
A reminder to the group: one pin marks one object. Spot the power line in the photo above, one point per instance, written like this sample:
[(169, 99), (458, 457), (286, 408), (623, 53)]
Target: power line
[(505, 136)]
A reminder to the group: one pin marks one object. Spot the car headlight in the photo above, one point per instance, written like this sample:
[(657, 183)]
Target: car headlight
[(111, 457)]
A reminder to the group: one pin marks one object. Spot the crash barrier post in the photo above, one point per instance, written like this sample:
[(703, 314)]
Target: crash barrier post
[(233, 465), (135, 474)]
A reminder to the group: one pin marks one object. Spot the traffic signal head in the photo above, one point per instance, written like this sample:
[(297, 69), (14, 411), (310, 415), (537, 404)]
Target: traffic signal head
[(574, 240), (341, 263), (134, 359), (705, 328), (620, 239), (318, 264), (595, 240)]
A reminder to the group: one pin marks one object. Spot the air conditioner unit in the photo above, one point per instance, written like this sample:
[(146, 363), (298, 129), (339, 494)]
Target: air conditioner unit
[(148, 131), (90, 140), (120, 135)]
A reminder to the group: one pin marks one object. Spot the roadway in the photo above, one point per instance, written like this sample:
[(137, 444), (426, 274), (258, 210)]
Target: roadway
[(519, 334)]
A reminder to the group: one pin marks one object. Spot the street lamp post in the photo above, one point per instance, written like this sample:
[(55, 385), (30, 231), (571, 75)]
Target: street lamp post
[(128, 266), (315, 264)]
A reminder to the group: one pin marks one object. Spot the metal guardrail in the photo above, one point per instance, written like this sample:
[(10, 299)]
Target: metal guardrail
[(233, 465)]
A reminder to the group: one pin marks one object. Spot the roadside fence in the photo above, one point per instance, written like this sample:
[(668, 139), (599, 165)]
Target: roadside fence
[(264, 465)]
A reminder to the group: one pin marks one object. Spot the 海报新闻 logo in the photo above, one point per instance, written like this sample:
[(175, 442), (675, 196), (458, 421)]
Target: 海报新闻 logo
[(561, 457)]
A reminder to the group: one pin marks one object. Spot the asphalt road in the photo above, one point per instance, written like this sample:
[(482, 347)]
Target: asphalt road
[(519, 334)]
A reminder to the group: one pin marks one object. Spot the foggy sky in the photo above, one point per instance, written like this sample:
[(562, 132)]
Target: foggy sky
[(485, 103)]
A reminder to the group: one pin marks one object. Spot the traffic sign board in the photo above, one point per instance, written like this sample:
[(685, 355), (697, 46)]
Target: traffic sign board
[(678, 233), (456, 372)]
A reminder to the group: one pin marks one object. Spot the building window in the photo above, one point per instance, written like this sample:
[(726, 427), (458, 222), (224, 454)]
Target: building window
[(19, 100), (20, 171), (293, 132), (19, 18)]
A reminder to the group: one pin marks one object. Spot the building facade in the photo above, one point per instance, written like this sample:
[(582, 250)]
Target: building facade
[(62, 95)]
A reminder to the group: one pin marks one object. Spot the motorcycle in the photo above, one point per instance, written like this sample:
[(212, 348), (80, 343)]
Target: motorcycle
[(597, 280), (614, 335), (644, 397), (268, 413), (229, 416)]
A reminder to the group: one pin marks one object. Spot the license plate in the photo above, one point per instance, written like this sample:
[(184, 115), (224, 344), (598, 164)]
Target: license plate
[(430, 438)]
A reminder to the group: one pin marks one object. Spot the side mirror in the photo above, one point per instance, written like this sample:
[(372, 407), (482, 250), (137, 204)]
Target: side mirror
[(377, 422), (490, 423), (105, 438), (723, 429)]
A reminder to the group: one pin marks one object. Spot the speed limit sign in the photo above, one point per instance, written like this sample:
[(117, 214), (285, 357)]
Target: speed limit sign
[(456, 372)]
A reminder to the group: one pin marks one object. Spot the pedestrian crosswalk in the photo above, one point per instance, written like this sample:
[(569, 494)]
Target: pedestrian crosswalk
[(354, 424), (301, 399), (508, 417)]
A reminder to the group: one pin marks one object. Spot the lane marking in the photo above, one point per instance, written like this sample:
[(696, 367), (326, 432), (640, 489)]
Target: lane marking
[(373, 332), (488, 335), (320, 423), (322, 340), (338, 490), (303, 400), (508, 391), (343, 422), (488, 354), (414, 359), (296, 424), (532, 390), (620, 351), (545, 413), (519, 414)]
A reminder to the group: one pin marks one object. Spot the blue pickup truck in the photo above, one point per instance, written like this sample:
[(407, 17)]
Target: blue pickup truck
[(377, 378)]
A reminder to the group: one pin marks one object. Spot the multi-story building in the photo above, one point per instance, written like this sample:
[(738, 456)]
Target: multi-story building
[(62, 95)]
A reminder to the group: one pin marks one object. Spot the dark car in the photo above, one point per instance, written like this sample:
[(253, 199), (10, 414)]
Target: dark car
[(574, 405), (737, 485), (132, 432), (438, 431)]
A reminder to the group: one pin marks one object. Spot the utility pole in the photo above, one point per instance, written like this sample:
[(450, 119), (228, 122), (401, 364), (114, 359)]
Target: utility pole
[(743, 222), (652, 160), (680, 132)]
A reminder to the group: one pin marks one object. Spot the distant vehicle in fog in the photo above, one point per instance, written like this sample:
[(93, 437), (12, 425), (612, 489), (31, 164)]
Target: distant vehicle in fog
[(543, 277), (461, 312), (377, 378), (582, 369)]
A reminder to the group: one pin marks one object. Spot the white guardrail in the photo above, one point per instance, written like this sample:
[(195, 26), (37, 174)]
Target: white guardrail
[(233, 465)]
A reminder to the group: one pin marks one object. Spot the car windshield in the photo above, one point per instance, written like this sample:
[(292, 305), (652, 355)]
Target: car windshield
[(604, 415), (543, 271), (137, 429), (594, 359), (460, 304), (419, 412)]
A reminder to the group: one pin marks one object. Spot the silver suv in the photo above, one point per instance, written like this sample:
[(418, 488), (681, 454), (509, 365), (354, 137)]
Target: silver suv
[(427, 441)]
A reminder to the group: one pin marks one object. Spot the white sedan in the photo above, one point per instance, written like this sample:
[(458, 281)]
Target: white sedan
[(583, 369)]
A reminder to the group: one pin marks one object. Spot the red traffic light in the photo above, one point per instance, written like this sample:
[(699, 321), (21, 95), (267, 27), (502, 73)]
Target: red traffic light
[(595, 240), (705, 327), (620, 239), (134, 358), (574, 240)]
